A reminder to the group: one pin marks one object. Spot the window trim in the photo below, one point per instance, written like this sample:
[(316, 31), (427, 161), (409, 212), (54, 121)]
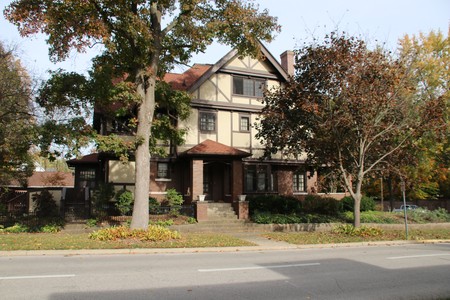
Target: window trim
[(245, 116), (295, 182), (254, 80), (268, 178), (165, 178), (210, 113)]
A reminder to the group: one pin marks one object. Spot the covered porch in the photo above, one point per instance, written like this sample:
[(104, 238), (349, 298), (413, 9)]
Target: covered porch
[(215, 172)]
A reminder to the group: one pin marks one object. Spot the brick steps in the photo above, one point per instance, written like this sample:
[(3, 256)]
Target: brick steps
[(221, 219)]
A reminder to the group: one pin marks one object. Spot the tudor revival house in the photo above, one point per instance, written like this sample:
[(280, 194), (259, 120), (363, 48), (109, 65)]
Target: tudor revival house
[(221, 157)]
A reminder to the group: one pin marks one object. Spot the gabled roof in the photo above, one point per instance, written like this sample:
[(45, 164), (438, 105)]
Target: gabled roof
[(230, 55), (212, 148), (194, 77)]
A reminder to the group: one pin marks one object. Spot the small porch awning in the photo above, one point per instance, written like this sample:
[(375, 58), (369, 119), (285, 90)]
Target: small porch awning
[(90, 159), (212, 148)]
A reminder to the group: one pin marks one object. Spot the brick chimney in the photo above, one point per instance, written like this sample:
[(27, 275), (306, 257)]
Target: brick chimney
[(287, 61)]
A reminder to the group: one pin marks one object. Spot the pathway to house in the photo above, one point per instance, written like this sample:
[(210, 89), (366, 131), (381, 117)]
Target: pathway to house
[(261, 241)]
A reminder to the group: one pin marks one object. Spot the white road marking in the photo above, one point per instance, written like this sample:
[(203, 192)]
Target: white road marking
[(258, 268), (36, 277), (417, 256)]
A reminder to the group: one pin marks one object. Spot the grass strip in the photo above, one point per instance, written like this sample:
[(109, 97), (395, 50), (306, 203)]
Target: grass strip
[(305, 238), (65, 241)]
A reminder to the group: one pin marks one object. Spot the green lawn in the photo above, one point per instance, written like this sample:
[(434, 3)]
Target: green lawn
[(65, 241), (304, 238)]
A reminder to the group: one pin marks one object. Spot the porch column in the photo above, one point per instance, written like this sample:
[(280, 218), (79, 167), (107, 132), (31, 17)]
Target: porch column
[(237, 180), (312, 183), (196, 178), (285, 184)]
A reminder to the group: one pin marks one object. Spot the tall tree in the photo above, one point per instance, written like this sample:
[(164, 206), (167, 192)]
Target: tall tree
[(142, 40), (428, 57), (16, 120), (347, 107)]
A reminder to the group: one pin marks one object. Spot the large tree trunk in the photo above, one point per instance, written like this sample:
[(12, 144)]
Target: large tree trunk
[(146, 88)]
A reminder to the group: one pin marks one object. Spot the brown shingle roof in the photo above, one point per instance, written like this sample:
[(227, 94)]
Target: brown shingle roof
[(209, 147), (185, 80), (48, 179), (87, 159)]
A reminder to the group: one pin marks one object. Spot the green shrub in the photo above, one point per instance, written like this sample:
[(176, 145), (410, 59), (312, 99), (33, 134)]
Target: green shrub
[(50, 228), (16, 228), (268, 218), (124, 202), (422, 215), (101, 197), (3, 209), (153, 204), (377, 217), (45, 205), (322, 205), (367, 203), (91, 222), (174, 198), (274, 204), (153, 233), (191, 220), (163, 223)]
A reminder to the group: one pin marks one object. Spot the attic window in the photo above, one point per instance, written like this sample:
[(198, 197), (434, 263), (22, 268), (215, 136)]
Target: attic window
[(248, 86)]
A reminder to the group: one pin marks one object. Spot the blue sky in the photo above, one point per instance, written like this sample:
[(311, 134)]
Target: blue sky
[(382, 21)]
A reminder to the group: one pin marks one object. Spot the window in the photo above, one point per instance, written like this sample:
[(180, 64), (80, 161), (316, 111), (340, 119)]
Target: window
[(258, 178), (86, 178), (248, 86), (87, 175), (299, 182), (207, 121), (244, 123), (163, 171)]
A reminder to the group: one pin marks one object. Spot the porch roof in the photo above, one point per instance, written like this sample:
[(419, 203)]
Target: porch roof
[(87, 159), (212, 148)]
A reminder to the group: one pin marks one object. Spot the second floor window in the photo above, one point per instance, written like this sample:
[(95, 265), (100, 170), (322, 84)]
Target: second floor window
[(207, 121), (248, 86)]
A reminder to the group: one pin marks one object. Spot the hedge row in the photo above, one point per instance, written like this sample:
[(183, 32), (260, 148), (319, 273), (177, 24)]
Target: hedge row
[(313, 204)]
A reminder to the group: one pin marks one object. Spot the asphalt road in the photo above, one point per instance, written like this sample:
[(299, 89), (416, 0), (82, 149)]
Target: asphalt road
[(415, 271)]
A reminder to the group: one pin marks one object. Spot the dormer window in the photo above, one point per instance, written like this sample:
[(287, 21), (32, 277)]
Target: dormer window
[(247, 86)]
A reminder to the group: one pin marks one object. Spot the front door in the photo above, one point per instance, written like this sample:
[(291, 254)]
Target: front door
[(216, 181)]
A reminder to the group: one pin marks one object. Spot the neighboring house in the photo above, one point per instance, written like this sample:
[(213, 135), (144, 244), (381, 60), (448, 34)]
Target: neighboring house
[(221, 157), (18, 198)]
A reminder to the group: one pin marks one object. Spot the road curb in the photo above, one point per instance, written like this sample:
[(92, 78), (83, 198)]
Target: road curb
[(138, 251)]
